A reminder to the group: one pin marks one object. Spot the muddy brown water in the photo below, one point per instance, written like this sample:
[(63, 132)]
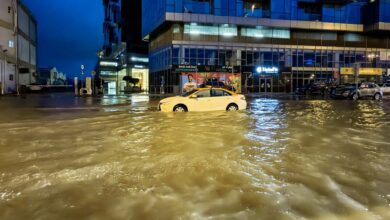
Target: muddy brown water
[(280, 159)]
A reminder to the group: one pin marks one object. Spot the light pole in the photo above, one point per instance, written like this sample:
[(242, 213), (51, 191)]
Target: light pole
[(82, 74), (4, 70)]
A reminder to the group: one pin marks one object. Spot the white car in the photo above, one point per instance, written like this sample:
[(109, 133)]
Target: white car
[(205, 99), (386, 89)]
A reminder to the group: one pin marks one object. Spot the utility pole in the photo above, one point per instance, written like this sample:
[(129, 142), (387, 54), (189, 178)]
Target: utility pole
[(4, 70), (16, 30)]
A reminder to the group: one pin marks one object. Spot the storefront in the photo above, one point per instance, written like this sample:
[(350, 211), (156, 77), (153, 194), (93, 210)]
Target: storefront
[(352, 75)]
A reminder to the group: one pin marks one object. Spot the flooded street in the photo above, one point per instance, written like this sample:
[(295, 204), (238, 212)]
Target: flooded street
[(118, 158)]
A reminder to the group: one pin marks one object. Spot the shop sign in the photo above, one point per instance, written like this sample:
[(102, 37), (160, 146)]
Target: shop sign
[(362, 71), (226, 69), (186, 68), (267, 70), (370, 71)]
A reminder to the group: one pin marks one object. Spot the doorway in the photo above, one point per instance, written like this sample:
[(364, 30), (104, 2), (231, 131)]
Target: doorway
[(266, 85)]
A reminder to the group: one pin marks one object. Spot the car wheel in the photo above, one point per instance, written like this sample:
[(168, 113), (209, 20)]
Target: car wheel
[(180, 108), (232, 107), (377, 96), (355, 96)]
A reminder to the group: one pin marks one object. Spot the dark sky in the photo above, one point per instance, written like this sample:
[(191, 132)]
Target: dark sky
[(69, 33)]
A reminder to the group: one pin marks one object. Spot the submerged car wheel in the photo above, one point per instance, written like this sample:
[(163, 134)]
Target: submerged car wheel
[(180, 108), (232, 107), (355, 96), (377, 96)]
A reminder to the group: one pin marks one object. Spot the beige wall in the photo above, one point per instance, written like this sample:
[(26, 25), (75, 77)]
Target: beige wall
[(4, 15), (6, 35)]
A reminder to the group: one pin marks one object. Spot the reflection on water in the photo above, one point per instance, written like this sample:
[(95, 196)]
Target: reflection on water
[(278, 160)]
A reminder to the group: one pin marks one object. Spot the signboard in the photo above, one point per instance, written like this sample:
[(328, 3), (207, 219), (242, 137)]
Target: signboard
[(370, 71), (194, 68), (362, 71), (267, 70), (230, 81), (185, 68)]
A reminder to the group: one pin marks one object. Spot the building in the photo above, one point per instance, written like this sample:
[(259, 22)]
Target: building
[(124, 53), (265, 45), (18, 42), (51, 76), (137, 48)]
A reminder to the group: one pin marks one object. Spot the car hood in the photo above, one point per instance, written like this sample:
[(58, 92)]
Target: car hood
[(172, 99)]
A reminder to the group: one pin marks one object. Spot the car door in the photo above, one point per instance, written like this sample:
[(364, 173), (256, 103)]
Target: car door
[(363, 90), (372, 89), (201, 102), (386, 88), (219, 99)]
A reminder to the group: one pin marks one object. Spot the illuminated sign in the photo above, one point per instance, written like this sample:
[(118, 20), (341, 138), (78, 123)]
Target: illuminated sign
[(106, 63), (268, 70), (186, 68), (362, 71), (140, 59), (139, 66)]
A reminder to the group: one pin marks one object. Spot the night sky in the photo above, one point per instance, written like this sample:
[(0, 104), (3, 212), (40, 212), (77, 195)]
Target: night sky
[(69, 33)]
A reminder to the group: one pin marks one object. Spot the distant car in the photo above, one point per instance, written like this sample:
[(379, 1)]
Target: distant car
[(313, 89), (204, 99), (355, 92), (386, 88)]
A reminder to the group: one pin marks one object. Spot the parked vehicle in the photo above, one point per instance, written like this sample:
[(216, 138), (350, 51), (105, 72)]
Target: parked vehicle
[(386, 88), (204, 99), (319, 88), (358, 91)]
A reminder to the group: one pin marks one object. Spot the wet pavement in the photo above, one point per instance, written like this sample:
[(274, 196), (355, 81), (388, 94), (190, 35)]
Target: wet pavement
[(116, 157)]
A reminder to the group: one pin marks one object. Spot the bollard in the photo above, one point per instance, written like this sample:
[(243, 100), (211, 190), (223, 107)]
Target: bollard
[(76, 86)]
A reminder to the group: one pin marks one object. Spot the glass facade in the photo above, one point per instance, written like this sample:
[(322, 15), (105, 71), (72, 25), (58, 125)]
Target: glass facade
[(268, 58), (343, 11), (296, 67)]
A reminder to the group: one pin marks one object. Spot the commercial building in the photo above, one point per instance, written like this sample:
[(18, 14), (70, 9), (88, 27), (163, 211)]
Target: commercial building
[(124, 53), (18, 42), (265, 45)]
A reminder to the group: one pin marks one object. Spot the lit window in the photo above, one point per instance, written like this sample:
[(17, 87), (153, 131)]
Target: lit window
[(11, 44), (223, 30), (261, 32)]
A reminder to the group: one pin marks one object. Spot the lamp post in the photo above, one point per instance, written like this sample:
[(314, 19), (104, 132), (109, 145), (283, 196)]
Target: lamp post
[(82, 74), (3, 72)]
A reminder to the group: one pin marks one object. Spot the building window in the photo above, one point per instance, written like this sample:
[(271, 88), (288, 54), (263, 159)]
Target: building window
[(11, 44), (223, 30), (257, 8), (260, 32)]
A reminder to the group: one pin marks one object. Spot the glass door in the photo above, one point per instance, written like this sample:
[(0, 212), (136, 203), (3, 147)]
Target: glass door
[(265, 85)]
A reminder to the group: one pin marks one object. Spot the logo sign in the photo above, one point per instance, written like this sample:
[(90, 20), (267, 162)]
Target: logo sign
[(185, 68), (267, 70)]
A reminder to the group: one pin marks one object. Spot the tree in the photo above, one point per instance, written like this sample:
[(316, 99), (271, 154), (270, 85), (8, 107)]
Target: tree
[(131, 80)]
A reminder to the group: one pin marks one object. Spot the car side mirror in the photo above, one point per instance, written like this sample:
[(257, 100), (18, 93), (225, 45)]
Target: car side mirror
[(194, 96)]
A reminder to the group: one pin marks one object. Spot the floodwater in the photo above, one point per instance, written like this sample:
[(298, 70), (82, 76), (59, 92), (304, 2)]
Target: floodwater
[(117, 158)]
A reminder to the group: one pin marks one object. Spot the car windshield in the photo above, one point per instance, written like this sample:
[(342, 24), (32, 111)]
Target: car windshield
[(189, 93)]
